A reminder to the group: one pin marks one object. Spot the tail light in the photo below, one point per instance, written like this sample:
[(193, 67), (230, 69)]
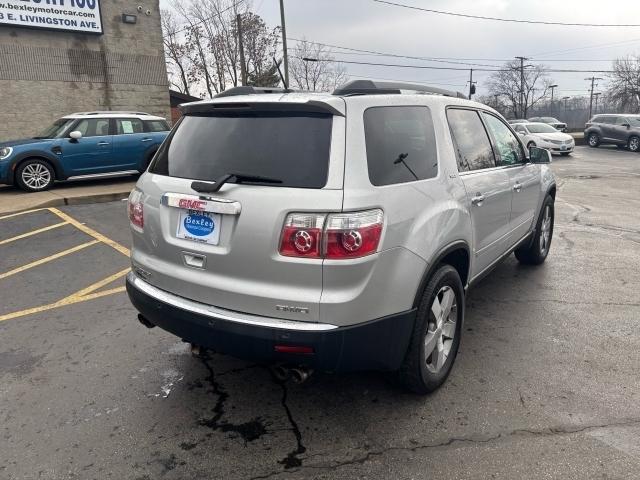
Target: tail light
[(302, 235), (136, 210), (332, 236), (350, 235)]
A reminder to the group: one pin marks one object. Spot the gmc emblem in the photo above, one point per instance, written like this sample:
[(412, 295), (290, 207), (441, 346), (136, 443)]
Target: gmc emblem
[(192, 204)]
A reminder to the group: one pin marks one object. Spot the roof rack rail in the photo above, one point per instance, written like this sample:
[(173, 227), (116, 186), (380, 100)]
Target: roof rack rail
[(112, 112), (369, 87), (246, 90)]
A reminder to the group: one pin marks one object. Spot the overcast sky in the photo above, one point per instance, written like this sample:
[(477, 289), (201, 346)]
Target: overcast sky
[(364, 24)]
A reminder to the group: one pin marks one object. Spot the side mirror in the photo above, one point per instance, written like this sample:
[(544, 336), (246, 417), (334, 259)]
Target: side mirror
[(75, 135), (539, 155), (626, 125)]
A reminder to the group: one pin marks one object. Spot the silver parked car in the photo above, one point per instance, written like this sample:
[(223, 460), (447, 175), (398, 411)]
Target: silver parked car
[(336, 232)]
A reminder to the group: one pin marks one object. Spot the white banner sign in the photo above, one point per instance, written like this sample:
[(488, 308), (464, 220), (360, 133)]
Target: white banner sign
[(69, 15)]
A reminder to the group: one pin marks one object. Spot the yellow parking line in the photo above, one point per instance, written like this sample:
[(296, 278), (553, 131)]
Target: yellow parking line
[(34, 232), (50, 258), (61, 303), (21, 213), (83, 295), (89, 231), (101, 283)]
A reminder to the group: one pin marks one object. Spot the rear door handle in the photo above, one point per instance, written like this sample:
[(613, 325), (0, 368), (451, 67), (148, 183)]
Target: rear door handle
[(147, 140), (517, 187), (477, 200), (103, 143)]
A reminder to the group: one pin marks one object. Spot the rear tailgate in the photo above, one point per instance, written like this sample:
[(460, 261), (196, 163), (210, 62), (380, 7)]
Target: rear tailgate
[(221, 248)]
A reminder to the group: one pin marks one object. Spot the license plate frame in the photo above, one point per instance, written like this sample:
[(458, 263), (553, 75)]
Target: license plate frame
[(199, 226)]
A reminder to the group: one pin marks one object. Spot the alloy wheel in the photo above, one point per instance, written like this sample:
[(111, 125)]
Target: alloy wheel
[(545, 230), (634, 144), (593, 140), (36, 176), (441, 330)]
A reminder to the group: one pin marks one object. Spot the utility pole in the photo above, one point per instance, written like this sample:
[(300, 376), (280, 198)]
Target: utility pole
[(284, 45), (593, 85), (552, 87), (243, 66), (597, 94), (565, 104), (472, 84), (522, 59)]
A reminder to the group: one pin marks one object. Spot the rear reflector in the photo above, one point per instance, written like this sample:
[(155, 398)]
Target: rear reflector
[(294, 349)]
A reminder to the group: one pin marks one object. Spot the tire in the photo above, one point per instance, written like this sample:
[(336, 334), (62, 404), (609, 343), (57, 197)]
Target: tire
[(536, 253), (35, 176), (531, 144), (435, 340), (593, 140), (634, 144)]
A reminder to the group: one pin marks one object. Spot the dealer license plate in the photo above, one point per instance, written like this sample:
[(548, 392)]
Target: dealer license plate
[(199, 226)]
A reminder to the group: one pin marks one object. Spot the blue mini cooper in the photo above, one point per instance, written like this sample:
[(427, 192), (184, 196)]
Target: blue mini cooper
[(83, 145)]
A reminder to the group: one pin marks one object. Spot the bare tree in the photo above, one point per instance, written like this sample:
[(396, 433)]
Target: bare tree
[(624, 84), (506, 85), (213, 43), (175, 50), (319, 73), (260, 45)]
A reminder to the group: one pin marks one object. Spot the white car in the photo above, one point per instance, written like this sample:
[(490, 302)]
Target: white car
[(545, 136)]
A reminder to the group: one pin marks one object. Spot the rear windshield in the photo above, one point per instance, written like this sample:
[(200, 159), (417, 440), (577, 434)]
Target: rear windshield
[(290, 147)]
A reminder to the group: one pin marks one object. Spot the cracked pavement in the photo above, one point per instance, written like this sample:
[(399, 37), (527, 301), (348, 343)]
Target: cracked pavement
[(546, 383)]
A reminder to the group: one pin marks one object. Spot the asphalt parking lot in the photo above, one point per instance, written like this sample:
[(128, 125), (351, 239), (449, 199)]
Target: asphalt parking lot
[(546, 383)]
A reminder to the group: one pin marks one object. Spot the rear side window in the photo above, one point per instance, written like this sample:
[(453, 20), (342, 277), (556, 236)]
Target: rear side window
[(401, 145), (471, 140), (156, 126), (127, 126), (291, 147)]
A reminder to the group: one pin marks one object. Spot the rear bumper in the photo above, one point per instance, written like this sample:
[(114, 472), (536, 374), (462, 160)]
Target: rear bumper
[(373, 345)]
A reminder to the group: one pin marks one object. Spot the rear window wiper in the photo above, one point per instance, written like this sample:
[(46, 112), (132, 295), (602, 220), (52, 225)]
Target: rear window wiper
[(207, 187)]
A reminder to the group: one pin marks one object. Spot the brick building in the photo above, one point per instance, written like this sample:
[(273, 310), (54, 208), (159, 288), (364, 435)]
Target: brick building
[(47, 73)]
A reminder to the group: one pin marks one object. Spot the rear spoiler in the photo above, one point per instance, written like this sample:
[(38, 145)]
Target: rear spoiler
[(310, 106)]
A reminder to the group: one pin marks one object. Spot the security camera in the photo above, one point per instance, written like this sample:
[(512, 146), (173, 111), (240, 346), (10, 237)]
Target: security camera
[(148, 12), (139, 8)]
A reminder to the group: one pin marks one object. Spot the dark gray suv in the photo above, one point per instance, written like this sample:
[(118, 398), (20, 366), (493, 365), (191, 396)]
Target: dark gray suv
[(621, 130)]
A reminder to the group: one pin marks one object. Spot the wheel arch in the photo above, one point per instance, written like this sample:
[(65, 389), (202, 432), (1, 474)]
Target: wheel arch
[(58, 172), (458, 255)]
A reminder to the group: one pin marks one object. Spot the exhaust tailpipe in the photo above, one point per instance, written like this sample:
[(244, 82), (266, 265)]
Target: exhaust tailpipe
[(145, 322), (281, 373), (300, 374)]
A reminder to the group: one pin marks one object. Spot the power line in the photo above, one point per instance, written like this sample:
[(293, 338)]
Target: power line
[(511, 20), (430, 67), (373, 52), (206, 19)]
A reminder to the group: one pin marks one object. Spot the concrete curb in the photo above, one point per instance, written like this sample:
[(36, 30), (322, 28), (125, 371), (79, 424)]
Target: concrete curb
[(74, 200)]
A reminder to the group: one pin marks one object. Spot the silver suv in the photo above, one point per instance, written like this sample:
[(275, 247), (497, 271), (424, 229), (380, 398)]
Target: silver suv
[(336, 232)]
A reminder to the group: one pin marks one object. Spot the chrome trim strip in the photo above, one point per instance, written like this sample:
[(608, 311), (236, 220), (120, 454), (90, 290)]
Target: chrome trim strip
[(103, 175), (205, 203), (220, 314)]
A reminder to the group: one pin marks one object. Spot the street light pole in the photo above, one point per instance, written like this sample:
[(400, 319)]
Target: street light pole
[(552, 87), (284, 45)]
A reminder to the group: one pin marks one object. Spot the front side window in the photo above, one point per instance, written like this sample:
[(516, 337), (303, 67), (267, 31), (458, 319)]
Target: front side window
[(56, 129), (93, 127), (471, 140), (401, 144), (128, 126), (510, 151)]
